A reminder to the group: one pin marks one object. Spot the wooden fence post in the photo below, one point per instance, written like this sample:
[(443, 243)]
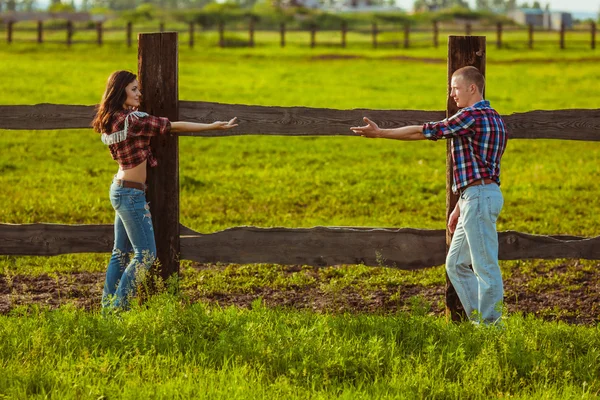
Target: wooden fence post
[(161, 27), (69, 32), (462, 51), (436, 33), (468, 29), (374, 34), (344, 30), (313, 36), (593, 29), (406, 35), (129, 33), (40, 32), (282, 34), (99, 33), (499, 35), (221, 34), (251, 32), (562, 36), (9, 31), (158, 77), (530, 43), (191, 35)]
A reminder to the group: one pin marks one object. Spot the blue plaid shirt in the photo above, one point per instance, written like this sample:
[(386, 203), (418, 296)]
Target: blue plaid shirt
[(478, 137)]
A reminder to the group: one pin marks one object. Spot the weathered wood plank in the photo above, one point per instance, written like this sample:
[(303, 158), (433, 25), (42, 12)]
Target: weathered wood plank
[(574, 124), (46, 116), (320, 246), (55, 239), (521, 246), (398, 248), (401, 248), (295, 121)]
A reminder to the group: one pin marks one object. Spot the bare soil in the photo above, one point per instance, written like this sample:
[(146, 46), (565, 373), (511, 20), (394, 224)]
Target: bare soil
[(562, 295)]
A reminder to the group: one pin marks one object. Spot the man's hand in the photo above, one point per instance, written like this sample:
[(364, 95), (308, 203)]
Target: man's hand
[(220, 125), (369, 130), (453, 220)]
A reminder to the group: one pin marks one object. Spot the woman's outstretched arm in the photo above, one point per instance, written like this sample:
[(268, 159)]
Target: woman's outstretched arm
[(183, 126)]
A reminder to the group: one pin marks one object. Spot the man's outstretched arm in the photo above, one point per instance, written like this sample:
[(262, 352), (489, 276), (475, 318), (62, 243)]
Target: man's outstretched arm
[(410, 132)]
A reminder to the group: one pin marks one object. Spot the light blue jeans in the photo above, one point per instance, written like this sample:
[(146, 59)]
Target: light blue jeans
[(475, 243), (133, 234)]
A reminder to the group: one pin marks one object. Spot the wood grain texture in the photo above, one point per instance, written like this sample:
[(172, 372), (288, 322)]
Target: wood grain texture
[(158, 77), (463, 51), (573, 124), (319, 246), (55, 239), (295, 121), (400, 248)]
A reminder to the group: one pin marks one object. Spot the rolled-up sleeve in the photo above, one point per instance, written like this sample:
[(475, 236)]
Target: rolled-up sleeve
[(148, 126), (460, 124)]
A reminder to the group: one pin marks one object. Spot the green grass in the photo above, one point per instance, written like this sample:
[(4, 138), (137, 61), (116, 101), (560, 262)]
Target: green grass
[(170, 350), (550, 186)]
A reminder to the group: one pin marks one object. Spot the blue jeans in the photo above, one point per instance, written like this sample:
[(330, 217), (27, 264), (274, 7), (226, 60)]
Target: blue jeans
[(475, 243), (133, 233)]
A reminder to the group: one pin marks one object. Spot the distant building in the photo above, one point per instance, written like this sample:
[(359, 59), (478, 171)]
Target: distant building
[(550, 20), (341, 5)]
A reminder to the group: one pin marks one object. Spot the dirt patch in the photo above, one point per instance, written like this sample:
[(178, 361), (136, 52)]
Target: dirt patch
[(552, 294)]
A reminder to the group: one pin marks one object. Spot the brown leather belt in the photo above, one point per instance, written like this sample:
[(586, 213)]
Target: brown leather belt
[(483, 181), (130, 184)]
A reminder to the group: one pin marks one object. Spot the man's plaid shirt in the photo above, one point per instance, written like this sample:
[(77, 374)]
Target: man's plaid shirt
[(129, 139), (478, 141)]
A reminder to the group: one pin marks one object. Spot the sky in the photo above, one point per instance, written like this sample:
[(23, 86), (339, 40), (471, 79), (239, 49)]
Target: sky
[(558, 5)]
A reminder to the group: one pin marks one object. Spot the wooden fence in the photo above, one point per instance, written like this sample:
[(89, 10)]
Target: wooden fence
[(375, 31), (399, 248)]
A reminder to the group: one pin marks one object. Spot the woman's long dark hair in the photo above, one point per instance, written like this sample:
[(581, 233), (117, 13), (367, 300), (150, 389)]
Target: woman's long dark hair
[(112, 100)]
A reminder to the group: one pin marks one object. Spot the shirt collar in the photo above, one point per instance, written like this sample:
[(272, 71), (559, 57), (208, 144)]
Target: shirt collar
[(481, 104)]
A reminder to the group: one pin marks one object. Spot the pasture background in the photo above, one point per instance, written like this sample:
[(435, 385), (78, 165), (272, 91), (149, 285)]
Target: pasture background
[(550, 187), (172, 348)]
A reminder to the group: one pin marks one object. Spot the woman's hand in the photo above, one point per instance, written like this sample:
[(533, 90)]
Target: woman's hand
[(220, 125)]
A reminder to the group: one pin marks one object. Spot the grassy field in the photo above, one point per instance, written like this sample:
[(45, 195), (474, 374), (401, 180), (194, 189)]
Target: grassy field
[(170, 351), (174, 349)]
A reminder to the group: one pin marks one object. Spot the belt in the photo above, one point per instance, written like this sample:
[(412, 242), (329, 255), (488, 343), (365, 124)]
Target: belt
[(130, 184), (482, 181)]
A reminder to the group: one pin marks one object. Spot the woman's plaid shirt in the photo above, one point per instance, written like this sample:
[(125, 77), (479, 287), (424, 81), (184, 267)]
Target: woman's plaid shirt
[(478, 138), (129, 139)]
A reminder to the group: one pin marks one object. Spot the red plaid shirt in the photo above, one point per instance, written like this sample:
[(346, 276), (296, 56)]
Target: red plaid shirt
[(129, 138)]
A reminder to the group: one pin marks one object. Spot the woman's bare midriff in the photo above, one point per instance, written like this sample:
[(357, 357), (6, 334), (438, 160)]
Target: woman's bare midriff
[(135, 174)]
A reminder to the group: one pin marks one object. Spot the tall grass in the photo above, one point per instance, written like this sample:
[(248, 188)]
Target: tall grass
[(171, 350)]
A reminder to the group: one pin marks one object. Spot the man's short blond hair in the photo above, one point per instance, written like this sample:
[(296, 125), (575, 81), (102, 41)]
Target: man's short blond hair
[(471, 75)]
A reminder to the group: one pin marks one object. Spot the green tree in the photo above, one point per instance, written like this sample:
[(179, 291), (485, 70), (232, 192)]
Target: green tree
[(482, 4)]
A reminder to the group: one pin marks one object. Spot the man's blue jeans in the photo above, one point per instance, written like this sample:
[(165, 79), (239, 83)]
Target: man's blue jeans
[(475, 243), (133, 233)]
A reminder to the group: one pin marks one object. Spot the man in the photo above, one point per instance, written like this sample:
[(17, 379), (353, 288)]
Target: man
[(478, 139)]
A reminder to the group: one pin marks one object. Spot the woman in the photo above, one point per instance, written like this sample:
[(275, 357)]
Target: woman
[(127, 134)]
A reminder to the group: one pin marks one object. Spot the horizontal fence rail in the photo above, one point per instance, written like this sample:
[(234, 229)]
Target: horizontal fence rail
[(406, 248), (571, 124)]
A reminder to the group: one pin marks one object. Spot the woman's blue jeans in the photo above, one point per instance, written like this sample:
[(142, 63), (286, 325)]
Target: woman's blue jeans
[(475, 242), (133, 234)]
